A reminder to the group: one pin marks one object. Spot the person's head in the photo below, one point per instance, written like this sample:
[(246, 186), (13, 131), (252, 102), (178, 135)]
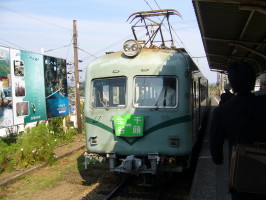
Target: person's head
[(242, 77), (227, 87), (262, 78), (169, 82)]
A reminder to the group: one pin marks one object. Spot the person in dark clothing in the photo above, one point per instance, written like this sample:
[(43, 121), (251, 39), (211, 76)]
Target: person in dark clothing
[(240, 120), (227, 95)]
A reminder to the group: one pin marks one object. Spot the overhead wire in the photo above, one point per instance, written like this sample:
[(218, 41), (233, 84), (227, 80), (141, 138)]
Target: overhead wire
[(173, 31), (148, 4), (87, 52), (13, 44), (111, 45), (58, 48), (160, 19), (179, 39), (69, 47), (34, 18), (3, 44), (157, 4), (170, 26)]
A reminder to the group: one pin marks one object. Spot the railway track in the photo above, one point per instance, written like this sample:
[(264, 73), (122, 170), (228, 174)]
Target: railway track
[(117, 188), (133, 187)]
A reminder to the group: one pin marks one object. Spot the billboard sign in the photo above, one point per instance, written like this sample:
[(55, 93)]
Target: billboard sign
[(33, 87), (56, 87), (28, 86)]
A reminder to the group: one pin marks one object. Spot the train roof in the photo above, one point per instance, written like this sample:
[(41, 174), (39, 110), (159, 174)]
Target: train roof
[(111, 59)]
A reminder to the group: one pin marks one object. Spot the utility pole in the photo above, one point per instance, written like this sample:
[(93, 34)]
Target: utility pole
[(76, 73)]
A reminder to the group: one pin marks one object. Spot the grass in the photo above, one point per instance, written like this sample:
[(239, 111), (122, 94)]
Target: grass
[(45, 179), (34, 146)]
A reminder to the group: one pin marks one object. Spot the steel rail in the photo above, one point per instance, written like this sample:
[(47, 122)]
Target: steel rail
[(117, 188)]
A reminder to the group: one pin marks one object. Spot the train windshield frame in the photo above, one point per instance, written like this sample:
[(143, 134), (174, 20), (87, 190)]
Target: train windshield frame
[(109, 92), (155, 92)]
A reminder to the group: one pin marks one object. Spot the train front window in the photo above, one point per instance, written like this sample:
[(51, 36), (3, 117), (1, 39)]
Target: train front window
[(109, 92), (156, 91)]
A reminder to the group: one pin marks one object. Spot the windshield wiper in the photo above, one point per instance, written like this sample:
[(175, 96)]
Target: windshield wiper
[(101, 101), (158, 103)]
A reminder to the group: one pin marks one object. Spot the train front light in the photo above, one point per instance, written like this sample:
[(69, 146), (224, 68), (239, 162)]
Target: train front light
[(131, 48)]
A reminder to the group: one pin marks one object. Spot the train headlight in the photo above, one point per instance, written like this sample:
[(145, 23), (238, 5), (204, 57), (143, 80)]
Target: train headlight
[(131, 48)]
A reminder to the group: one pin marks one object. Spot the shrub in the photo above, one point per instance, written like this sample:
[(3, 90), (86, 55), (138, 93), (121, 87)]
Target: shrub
[(33, 146), (36, 145)]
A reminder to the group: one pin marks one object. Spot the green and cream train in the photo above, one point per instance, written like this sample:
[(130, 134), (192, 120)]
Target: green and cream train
[(144, 108)]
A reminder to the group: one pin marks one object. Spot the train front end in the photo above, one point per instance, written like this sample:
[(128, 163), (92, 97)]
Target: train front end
[(139, 110)]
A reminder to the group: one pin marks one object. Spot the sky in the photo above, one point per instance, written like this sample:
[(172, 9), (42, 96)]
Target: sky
[(47, 25)]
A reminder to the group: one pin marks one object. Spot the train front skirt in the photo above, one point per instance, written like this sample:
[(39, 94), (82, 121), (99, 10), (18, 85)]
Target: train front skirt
[(150, 164)]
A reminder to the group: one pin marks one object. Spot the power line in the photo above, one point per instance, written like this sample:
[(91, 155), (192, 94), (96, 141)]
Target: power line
[(4, 44), (161, 20), (148, 4), (113, 44), (34, 18), (172, 29), (85, 58), (157, 4), (69, 48), (179, 38), (58, 48), (87, 52), (13, 44)]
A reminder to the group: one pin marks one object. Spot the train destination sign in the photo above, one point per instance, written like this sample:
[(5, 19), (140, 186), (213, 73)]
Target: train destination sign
[(129, 125)]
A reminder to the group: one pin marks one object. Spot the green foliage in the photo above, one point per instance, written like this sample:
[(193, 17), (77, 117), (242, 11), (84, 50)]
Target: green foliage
[(56, 124), (72, 132), (6, 151), (35, 145), (82, 89)]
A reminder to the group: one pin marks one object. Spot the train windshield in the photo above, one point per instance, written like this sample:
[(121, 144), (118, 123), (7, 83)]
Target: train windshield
[(156, 91), (109, 92)]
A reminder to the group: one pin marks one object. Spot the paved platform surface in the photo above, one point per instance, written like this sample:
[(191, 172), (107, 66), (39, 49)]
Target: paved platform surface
[(60, 152), (210, 181)]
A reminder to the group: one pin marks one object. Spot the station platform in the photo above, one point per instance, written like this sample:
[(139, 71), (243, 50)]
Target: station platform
[(210, 181)]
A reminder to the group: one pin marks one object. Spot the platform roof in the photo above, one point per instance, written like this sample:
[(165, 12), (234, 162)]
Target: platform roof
[(233, 30)]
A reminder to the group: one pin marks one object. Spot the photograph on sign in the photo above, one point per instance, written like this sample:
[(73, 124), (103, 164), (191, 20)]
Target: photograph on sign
[(22, 108), (18, 68), (19, 87), (6, 112), (56, 87)]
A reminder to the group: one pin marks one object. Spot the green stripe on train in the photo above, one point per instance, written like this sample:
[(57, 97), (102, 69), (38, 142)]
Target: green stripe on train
[(178, 120)]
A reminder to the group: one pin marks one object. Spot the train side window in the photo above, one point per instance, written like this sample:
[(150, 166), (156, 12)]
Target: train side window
[(155, 91), (203, 92), (196, 93), (109, 92)]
